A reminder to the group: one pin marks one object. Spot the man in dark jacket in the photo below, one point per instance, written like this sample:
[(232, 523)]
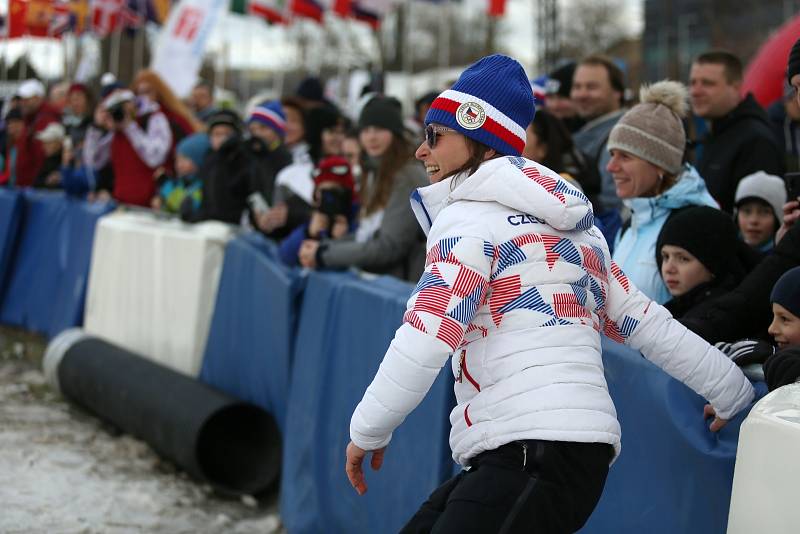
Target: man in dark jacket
[(740, 141), (227, 172)]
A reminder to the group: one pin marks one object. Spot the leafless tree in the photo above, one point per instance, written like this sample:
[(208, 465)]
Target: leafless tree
[(592, 26)]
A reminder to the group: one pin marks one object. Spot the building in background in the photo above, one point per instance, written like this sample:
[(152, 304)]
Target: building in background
[(675, 31)]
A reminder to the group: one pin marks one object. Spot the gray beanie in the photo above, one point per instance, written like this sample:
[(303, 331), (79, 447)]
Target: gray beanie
[(653, 129), (767, 187)]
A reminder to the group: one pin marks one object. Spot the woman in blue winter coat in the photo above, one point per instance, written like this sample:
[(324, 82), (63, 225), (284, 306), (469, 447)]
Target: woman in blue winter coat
[(647, 146), (518, 288)]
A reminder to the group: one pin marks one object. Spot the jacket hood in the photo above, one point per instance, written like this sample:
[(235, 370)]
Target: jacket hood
[(689, 190), (518, 183)]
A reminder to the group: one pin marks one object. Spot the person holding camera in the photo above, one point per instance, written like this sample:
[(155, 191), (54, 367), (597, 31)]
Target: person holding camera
[(335, 208), (135, 136)]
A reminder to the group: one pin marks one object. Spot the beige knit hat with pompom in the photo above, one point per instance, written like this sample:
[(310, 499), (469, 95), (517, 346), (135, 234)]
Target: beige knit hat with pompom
[(653, 129)]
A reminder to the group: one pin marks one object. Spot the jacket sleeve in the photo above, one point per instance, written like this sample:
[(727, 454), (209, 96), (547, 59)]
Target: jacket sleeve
[(637, 321), (97, 148), (154, 144), (745, 311), (441, 307), (398, 233)]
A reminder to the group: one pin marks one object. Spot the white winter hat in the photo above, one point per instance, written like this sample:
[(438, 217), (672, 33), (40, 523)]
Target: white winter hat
[(30, 88), (52, 132), (767, 187)]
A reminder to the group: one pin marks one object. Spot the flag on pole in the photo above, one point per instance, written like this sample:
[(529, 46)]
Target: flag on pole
[(29, 17), (497, 8), (62, 18), (109, 16), (272, 11), (182, 42), (308, 9), (369, 11)]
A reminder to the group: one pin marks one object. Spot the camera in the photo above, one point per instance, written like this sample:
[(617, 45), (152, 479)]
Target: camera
[(115, 104), (335, 201)]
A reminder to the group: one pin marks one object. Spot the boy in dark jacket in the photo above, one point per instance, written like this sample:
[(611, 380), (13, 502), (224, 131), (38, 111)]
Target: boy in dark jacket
[(227, 172)]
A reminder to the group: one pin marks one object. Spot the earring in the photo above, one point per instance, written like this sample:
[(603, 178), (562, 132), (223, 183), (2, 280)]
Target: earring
[(660, 177)]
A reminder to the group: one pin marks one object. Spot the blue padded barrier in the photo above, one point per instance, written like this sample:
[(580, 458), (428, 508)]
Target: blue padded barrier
[(10, 214), (46, 288), (345, 327), (673, 475), (249, 347)]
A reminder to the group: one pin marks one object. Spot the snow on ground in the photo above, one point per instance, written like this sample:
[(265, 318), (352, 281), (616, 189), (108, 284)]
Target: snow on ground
[(63, 471)]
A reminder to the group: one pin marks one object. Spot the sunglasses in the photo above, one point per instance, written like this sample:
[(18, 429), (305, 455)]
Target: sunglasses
[(432, 132)]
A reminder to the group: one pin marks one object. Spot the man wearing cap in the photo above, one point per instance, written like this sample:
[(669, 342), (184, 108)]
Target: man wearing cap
[(136, 140), (739, 141), (267, 126), (558, 101), (37, 114), (52, 139)]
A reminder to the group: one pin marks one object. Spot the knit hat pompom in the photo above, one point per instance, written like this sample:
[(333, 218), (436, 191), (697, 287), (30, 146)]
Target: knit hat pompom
[(653, 129), (667, 93)]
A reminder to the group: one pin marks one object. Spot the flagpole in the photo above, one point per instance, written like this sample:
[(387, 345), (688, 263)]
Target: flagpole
[(23, 62), (116, 38), (444, 48), (408, 51)]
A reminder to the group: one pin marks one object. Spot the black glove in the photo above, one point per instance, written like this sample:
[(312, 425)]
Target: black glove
[(782, 368), (747, 351)]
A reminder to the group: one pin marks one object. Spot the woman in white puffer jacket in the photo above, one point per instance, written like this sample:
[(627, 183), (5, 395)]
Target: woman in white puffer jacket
[(518, 288)]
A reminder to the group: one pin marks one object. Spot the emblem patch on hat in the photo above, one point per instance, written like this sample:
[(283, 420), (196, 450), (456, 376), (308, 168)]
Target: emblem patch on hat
[(470, 116)]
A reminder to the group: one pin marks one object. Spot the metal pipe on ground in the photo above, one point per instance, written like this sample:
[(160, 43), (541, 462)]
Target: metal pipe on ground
[(233, 445)]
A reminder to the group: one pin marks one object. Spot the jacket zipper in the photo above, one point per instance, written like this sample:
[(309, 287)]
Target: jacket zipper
[(524, 454)]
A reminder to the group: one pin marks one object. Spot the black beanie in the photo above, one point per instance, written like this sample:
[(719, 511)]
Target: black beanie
[(793, 66), (786, 291), (227, 117), (708, 234), (311, 89), (383, 112), (563, 75)]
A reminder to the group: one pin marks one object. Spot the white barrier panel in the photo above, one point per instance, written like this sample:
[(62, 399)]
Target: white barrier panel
[(766, 481), (153, 284)]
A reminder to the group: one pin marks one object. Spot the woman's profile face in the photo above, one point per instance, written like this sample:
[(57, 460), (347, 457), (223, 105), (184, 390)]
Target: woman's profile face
[(449, 153), (375, 140), (295, 131), (633, 176)]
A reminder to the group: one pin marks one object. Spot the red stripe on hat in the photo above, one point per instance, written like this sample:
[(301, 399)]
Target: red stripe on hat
[(490, 125)]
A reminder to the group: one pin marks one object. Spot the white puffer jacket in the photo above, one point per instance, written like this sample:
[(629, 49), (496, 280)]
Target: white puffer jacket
[(518, 287)]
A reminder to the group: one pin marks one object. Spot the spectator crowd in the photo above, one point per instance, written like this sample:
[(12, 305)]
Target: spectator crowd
[(688, 184)]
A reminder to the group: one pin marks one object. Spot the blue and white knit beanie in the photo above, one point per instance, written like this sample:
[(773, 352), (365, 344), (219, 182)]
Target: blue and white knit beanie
[(491, 102), (270, 114)]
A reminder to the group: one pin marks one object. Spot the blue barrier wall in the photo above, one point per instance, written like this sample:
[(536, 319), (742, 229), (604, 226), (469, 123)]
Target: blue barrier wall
[(345, 327), (249, 348), (46, 287), (674, 474), (10, 214)]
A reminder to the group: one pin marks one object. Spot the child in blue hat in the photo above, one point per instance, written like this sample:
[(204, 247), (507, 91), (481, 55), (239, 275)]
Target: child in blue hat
[(182, 193)]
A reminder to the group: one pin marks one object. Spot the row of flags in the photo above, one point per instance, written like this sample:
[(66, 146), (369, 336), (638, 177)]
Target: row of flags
[(54, 18)]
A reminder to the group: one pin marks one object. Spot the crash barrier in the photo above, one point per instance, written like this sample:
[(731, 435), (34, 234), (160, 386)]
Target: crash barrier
[(249, 349), (232, 445), (674, 474), (45, 285), (344, 328), (10, 214), (153, 285), (768, 466)]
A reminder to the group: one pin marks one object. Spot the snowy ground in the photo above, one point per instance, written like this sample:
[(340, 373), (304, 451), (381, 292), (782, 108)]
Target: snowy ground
[(62, 471)]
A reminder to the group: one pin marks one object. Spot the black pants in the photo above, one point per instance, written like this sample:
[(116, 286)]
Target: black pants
[(555, 492)]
